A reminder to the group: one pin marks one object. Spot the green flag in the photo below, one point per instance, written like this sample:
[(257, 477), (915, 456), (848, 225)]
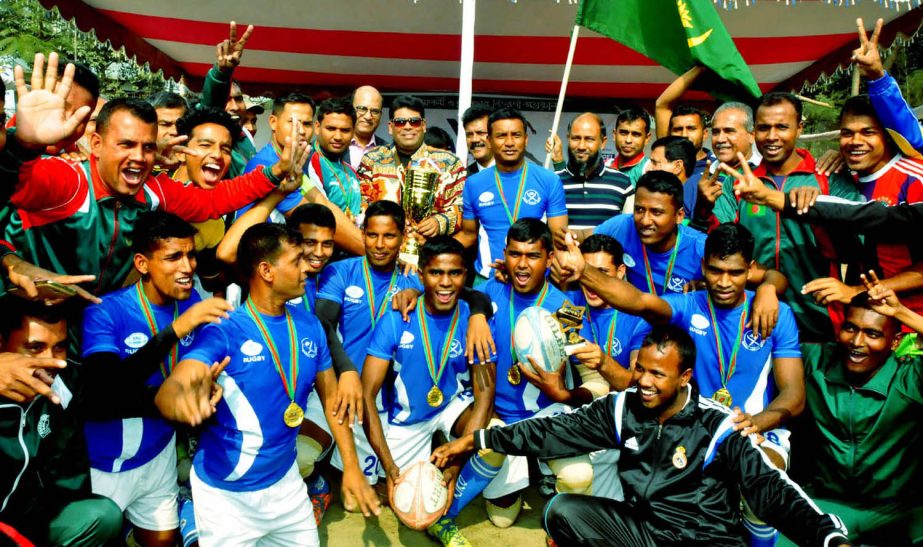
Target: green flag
[(675, 33)]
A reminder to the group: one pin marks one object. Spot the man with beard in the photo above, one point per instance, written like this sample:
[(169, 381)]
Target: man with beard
[(474, 121), (593, 192), (682, 467)]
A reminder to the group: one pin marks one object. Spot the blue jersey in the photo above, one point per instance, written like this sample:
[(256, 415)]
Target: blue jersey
[(267, 157), (628, 333), (343, 282), (687, 265), (516, 402), (247, 446), (542, 196), (310, 295), (752, 385), (118, 325), (409, 377)]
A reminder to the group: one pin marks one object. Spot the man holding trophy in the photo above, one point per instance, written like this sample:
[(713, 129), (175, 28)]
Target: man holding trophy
[(427, 182)]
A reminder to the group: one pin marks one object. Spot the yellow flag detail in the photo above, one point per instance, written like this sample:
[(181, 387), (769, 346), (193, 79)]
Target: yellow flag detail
[(697, 40)]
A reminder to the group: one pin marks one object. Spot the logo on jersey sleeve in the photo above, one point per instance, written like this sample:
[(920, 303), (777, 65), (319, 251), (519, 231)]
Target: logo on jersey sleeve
[(752, 341), (136, 340), (406, 340), (698, 323), (486, 199), (253, 351), (354, 294), (531, 197), (626, 258), (187, 340), (456, 348), (308, 348), (676, 284)]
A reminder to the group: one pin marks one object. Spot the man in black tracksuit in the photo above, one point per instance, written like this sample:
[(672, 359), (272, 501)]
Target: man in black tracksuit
[(682, 463)]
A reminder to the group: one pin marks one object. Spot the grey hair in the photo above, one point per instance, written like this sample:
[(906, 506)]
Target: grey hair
[(734, 105)]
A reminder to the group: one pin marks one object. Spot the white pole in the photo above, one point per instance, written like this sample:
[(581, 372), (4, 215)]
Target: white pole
[(557, 110), (465, 75)]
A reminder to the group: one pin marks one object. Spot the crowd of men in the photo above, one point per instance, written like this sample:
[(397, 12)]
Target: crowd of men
[(198, 337)]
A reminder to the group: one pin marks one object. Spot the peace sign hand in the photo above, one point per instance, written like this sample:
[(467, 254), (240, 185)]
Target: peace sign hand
[(710, 186), (750, 188), (230, 51), (866, 56)]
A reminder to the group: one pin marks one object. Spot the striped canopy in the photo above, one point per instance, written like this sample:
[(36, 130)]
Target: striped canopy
[(520, 47)]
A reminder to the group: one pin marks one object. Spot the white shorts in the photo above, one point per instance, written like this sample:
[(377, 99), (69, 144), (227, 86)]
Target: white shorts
[(606, 481), (413, 443), (146, 494), (514, 475), (280, 514), (778, 440), (368, 460)]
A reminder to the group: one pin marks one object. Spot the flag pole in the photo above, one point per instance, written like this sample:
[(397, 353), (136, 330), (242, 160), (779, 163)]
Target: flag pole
[(563, 92), (465, 76)]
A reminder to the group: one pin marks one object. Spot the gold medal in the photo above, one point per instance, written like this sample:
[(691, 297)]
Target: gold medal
[(434, 397), (513, 375), (293, 415), (723, 396)]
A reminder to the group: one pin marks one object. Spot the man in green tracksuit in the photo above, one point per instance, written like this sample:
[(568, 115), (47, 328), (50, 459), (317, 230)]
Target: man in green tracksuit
[(865, 395), (787, 245)]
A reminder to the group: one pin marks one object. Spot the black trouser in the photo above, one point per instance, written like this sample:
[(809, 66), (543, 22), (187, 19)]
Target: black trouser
[(574, 519)]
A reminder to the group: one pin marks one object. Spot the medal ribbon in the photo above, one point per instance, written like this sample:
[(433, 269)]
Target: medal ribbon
[(522, 186), (375, 310), (539, 301), (727, 370), (668, 274), (435, 374), (289, 385), (611, 337), (347, 195), (166, 367)]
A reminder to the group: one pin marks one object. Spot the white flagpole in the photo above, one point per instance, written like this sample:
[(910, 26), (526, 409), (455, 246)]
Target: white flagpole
[(465, 75), (557, 110)]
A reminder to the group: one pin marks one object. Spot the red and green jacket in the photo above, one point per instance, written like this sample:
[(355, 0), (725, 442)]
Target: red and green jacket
[(796, 249), (63, 217)]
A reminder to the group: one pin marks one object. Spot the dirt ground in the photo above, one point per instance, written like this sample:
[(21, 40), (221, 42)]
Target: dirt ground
[(342, 529)]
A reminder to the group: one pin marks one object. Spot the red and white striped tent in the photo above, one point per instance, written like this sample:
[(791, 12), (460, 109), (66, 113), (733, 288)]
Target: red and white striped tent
[(519, 47)]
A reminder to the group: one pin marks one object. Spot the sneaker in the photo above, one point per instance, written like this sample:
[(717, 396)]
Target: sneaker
[(446, 531), (319, 492), (547, 486)]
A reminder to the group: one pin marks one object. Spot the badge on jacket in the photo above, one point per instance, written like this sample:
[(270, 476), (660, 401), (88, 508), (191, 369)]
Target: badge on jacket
[(679, 458)]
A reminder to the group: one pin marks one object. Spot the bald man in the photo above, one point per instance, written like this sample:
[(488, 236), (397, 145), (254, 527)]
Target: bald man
[(368, 104), (594, 192)]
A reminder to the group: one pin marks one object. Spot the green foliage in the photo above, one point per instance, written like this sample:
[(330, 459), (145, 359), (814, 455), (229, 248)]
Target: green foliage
[(37, 30)]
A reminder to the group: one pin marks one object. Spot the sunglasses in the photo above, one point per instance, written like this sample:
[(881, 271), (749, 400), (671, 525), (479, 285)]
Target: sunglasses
[(401, 122)]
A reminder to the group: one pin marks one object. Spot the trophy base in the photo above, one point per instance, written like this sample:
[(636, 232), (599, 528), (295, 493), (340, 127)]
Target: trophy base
[(410, 251), (408, 258)]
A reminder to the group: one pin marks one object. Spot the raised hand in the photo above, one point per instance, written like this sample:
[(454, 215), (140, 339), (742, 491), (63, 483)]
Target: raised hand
[(710, 187), (231, 50), (291, 162), (23, 377), (866, 56), (827, 290), (212, 310), (554, 147), (882, 299), (568, 264), (41, 116)]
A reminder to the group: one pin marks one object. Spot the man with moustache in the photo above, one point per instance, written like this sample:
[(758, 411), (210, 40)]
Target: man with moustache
[(474, 122), (593, 192), (381, 171), (631, 134), (368, 103)]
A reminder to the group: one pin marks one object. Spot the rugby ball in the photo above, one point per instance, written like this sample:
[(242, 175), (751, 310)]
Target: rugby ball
[(419, 497), (538, 334)]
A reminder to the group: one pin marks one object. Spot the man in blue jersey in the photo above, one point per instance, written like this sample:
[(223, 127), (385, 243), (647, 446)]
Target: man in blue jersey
[(422, 360), (521, 393), (760, 375), (661, 254), (513, 189), (245, 477), (133, 460), (352, 295)]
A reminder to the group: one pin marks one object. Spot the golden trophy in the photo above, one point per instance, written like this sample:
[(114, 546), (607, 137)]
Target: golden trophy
[(417, 199)]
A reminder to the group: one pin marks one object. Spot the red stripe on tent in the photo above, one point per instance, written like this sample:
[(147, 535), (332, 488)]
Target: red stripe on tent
[(386, 82), (439, 47)]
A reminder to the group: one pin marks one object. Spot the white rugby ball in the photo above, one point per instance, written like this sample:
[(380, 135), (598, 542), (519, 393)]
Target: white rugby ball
[(419, 498), (538, 334)]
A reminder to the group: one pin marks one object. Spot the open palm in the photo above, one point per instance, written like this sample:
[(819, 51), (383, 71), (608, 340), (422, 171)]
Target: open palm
[(41, 117)]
